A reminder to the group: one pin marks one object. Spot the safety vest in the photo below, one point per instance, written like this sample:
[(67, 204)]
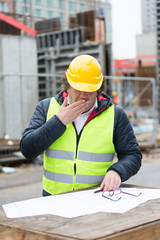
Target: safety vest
[(68, 166)]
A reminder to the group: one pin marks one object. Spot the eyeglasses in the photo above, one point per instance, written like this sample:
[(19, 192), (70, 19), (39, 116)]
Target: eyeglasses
[(112, 195)]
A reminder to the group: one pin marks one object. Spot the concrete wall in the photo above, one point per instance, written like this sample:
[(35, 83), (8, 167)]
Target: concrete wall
[(146, 44), (1, 93), (18, 95)]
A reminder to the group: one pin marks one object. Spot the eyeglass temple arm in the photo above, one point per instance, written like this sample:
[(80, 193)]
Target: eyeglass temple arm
[(131, 194)]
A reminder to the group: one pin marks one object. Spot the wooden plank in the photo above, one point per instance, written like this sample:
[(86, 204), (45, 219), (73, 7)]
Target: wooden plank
[(9, 233), (142, 222), (149, 231)]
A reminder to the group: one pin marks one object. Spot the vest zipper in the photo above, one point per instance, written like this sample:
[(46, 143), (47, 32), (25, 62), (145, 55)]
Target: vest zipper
[(74, 166), (77, 139)]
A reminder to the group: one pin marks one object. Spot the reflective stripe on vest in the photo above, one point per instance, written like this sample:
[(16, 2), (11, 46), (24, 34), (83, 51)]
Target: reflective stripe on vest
[(65, 178), (58, 177), (52, 153), (95, 157), (85, 156), (82, 179), (68, 166)]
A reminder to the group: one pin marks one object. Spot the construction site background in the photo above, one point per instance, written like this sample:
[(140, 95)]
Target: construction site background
[(31, 66)]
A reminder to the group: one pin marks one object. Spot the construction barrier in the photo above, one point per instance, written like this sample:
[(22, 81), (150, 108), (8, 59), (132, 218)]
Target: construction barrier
[(138, 97), (19, 95)]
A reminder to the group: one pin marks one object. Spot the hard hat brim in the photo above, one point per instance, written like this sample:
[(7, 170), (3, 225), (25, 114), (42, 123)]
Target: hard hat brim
[(85, 87)]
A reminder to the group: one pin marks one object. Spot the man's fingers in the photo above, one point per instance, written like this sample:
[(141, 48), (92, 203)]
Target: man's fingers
[(68, 114), (65, 102), (102, 186), (78, 104), (78, 107), (111, 181), (107, 186)]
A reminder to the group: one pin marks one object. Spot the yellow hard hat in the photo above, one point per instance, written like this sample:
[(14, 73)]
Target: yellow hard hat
[(84, 74)]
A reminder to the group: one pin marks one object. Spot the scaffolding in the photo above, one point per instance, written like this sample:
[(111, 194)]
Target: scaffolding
[(56, 50)]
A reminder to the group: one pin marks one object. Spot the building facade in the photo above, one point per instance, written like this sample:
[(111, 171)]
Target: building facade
[(146, 42), (148, 9), (6, 6), (37, 10)]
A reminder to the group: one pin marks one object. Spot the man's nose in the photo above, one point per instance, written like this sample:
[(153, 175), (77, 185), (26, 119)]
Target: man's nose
[(83, 95)]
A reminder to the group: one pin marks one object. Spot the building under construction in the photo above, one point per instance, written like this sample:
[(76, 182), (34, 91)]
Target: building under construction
[(37, 72), (56, 49)]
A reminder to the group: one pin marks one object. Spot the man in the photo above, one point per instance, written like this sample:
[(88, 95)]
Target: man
[(79, 130)]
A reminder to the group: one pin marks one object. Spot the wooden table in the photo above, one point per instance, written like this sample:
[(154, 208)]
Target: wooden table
[(140, 223)]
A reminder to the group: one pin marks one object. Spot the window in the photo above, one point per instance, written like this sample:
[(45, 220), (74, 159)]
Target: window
[(4, 7), (61, 4), (25, 1), (61, 17), (37, 2), (25, 10), (49, 14), (71, 7), (101, 11), (49, 3), (37, 12), (81, 7)]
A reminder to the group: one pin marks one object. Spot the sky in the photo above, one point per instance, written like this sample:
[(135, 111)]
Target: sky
[(126, 23)]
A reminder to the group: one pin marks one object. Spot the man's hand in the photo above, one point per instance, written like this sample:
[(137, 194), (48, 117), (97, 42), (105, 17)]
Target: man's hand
[(111, 181), (68, 113)]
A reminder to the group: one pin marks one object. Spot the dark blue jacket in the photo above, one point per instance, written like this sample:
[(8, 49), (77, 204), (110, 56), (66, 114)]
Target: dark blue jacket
[(39, 135)]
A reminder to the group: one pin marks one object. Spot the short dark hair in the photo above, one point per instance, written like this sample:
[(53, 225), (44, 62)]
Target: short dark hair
[(65, 85)]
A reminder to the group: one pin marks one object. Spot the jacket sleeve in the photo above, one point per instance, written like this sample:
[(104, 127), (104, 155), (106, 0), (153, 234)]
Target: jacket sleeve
[(39, 135), (126, 146)]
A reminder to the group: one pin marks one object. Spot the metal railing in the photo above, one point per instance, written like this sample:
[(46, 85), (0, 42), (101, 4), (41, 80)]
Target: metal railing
[(138, 97)]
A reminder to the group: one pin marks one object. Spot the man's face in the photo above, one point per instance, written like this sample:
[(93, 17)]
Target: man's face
[(89, 97)]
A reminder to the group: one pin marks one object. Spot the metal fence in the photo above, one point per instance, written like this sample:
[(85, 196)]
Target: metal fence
[(138, 97), (20, 93)]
